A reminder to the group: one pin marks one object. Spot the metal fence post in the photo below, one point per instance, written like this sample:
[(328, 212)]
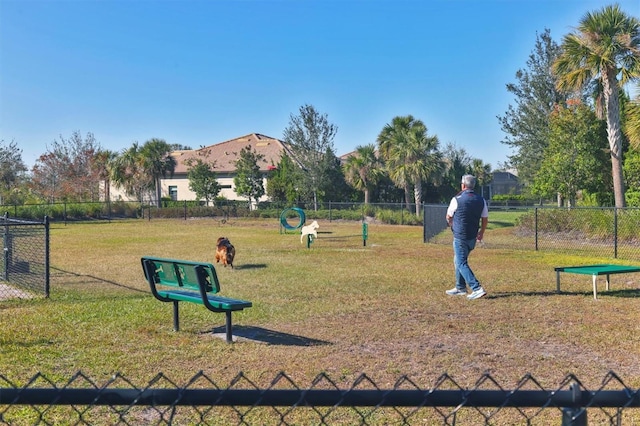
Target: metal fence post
[(424, 223), (615, 232), (47, 274), (576, 415), (6, 247), (536, 227)]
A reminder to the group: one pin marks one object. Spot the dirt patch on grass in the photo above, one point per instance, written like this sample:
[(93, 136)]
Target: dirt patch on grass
[(8, 292)]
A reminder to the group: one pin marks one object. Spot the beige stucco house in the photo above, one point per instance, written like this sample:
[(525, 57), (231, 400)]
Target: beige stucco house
[(223, 157)]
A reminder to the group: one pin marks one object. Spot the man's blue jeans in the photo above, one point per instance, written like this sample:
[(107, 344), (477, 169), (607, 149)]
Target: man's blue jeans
[(464, 274)]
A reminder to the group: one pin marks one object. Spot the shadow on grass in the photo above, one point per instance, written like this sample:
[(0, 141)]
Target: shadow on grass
[(632, 292), (94, 278), (611, 293), (251, 266), (270, 337), (500, 224)]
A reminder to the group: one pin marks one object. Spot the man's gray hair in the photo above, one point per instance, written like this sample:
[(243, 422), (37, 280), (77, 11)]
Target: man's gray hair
[(469, 181)]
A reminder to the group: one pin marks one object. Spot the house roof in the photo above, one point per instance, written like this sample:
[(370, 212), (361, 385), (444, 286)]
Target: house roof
[(224, 155)]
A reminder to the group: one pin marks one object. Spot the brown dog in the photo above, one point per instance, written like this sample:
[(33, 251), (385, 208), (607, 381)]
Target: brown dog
[(225, 252)]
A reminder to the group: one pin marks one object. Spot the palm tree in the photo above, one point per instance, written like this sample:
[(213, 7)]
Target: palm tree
[(103, 162), (458, 164), (390, 140), (482, 172), (363, 170), (127, 172), (157, 161), (410, 154), (605, 47)]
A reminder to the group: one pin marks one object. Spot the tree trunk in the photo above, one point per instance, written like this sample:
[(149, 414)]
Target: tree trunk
[(614, 134), (107, 190), (407, 196), (366, 196), (417, 193), (158, 192)]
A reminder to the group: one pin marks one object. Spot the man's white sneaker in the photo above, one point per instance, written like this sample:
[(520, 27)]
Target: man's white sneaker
[(477, 294), (456, 292)]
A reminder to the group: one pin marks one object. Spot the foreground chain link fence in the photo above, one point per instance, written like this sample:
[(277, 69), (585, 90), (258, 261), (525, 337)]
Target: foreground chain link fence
[(201, 401), (590, 231), (24, 264)]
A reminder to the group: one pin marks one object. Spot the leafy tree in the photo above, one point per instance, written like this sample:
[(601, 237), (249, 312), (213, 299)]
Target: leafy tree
[(12, 172), (527, 123), (66, 171), (605, 47), (249, 180), (631, 170), (386, 191), (203, 180), (363, 170), (179, 147), (575, 157), (411, 156), (309, 136), (632, 120), (284, 180), (333, 186)]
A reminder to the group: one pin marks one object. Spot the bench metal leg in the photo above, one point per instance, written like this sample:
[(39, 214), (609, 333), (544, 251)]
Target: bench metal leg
[(228, 327), (176, 320)]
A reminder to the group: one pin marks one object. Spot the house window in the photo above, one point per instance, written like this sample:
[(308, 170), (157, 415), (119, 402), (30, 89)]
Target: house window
[(173, 193)]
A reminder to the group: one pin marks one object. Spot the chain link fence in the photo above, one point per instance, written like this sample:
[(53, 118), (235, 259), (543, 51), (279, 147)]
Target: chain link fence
[(24, 264), (221, 210), (589, 231), (162, 401)]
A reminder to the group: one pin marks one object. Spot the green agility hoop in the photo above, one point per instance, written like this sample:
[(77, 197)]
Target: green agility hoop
[(285, 224)]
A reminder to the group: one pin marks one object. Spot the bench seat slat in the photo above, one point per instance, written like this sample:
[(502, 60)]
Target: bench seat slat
[(218, 302)]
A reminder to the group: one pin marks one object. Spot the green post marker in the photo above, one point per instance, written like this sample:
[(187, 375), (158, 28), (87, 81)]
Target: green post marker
[(365, 233)]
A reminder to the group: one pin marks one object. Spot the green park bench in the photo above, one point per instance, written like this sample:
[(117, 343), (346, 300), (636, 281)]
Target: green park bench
[(185, 281), (595, 271)]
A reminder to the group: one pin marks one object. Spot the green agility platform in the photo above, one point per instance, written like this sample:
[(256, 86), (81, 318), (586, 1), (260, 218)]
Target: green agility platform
[(594, 271)]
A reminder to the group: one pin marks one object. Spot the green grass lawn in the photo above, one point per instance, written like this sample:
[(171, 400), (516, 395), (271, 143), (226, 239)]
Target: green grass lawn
[(338, 308)]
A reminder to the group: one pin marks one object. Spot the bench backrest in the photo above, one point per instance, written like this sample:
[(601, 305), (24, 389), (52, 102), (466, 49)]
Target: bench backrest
[(182, 273)]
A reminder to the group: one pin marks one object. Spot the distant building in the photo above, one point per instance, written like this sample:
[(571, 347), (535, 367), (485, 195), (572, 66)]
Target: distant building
[(223, 156), (505, 183)]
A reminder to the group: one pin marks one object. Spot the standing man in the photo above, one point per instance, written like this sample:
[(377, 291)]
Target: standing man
[(466, 214)]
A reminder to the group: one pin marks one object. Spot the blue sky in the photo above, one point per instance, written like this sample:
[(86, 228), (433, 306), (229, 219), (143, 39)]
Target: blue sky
[(199, 72)]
